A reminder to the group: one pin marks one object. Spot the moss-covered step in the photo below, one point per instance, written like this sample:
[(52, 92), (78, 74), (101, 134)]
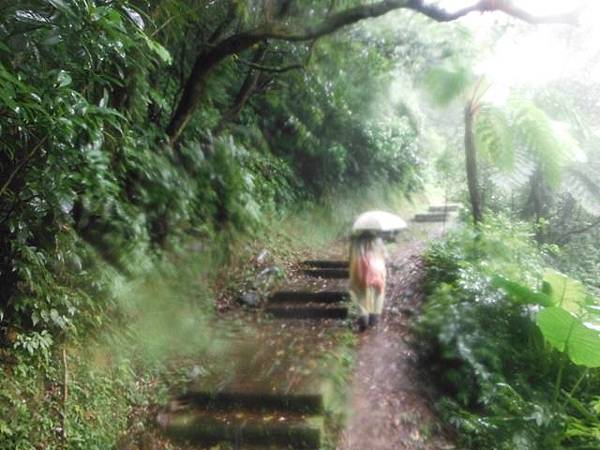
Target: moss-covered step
[(263, 368), (452, 207), (271, 363), (254, 401), (281, 429), (307, 311), (330, 273), (431, 217), (301, 296), (325, 264)]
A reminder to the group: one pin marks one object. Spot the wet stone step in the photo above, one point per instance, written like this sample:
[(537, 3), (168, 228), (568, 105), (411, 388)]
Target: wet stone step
[(274, 364), (335, 273), (264, 384), (241, 428), (325, 264), (431, 217), (309, 297), (444, 208), (310, 311), (253, 401)]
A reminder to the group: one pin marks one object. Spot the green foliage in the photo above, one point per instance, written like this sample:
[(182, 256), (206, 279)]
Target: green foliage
[(346, 131), (579, 256), (568, 334), (546, 146), (581, 182), (521, 142), (504, 385), (93, 198), (521, 293), (449, 81), (98, 405), (562, 321), (495, 138)]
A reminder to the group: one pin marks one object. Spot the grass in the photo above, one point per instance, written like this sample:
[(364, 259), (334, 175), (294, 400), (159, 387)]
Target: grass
[(314, 226)]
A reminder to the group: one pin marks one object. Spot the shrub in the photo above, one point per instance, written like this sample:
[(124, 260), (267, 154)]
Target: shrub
[(506, 383)]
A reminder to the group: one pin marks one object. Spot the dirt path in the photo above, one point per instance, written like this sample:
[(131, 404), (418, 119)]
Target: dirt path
[(266, 384), (391, 402)]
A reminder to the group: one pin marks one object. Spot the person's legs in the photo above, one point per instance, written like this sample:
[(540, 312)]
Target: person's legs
[(370, 295), (378, 300), (361, 299), (363, 322), (373, 320)]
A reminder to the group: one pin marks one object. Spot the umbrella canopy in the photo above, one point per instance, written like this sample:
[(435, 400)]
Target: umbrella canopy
[(379, 221)]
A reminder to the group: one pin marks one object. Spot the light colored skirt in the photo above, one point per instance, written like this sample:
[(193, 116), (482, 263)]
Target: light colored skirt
[(370, 301)]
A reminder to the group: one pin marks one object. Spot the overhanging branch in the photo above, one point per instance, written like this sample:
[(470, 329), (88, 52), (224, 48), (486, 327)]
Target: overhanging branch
[(566, 236), (273, 69), (281, 69), (353, 15), (246, 90), (239, 42), (506, 6)]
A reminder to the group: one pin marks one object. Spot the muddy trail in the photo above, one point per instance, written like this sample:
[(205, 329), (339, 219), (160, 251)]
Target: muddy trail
[(391, 396), (296, 374)]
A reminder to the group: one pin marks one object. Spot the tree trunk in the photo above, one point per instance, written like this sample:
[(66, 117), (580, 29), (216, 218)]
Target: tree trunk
[(537, 195), (245, 92), (194, 86), (538, 203), (471, 165)]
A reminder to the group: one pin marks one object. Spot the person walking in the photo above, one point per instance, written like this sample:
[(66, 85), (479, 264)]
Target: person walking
[(367, 277), (367, 263)]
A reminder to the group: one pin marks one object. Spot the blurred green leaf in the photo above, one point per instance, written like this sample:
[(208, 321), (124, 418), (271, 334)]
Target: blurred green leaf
[(568, 334)]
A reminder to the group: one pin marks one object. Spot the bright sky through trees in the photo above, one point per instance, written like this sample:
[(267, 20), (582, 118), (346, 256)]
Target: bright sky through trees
[(535, 55)]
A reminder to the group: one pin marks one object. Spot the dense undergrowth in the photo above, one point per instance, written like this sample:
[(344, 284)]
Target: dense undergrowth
[(129, 209), (120, 374), (512, 376), (114, 239)]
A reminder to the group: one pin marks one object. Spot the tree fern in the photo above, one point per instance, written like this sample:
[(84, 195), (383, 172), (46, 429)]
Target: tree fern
[(523, 138), (494, 137), (520, 141), (448, 82), (520, 174), (559, 155), (536, 131), (582, 181)]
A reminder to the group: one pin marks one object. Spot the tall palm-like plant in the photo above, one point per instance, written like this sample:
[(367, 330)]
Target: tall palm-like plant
[(523, 144), (447, 83), (528, 148)]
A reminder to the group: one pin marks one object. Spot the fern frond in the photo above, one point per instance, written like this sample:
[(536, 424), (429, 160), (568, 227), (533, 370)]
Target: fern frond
[(494, 138), (571, 148), (522, 171), (582, 181), (448, 82), (549, 149)]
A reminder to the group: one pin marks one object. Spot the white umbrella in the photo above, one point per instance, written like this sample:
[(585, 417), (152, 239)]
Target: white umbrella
[(380, 221)]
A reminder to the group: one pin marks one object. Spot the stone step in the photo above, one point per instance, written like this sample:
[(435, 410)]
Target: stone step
[(309, 297), (444, 208), (254, 400), (325, 264), (307, 311), (282, 431), (431, 217), (284, 365), (330, 273)]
